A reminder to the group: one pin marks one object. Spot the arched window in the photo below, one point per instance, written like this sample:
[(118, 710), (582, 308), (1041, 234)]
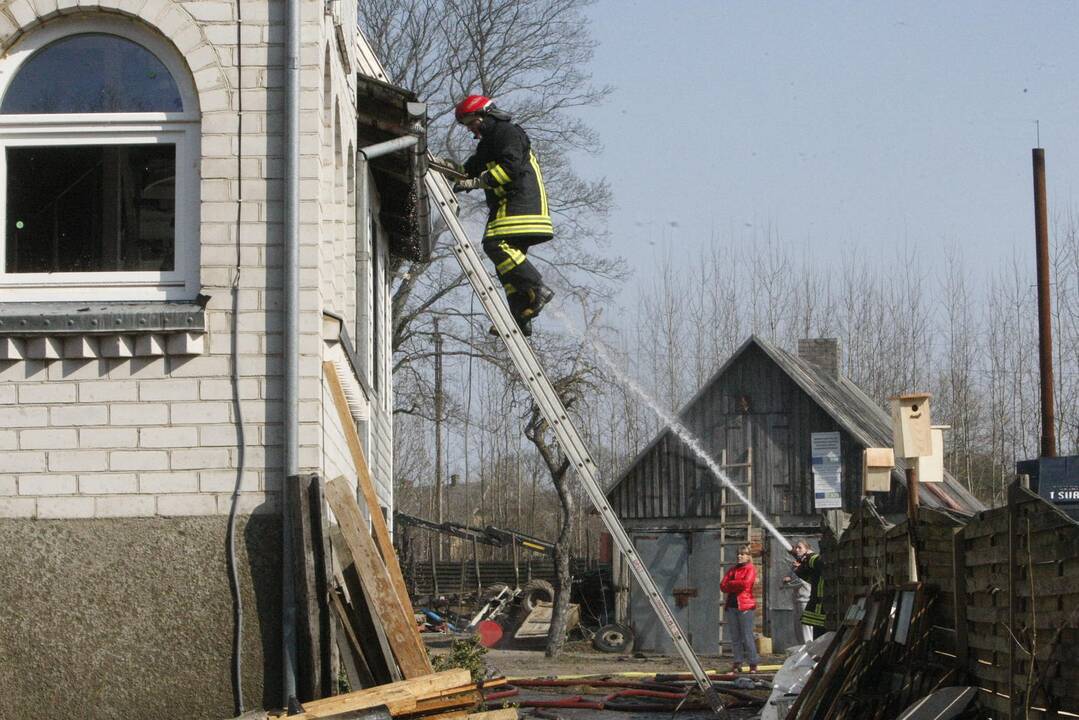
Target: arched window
[(99, 159)]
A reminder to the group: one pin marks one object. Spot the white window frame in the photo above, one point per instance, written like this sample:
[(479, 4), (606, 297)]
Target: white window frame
[(181, 129)]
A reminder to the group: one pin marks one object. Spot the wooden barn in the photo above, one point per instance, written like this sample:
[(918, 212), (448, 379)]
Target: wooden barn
[(762, 418)]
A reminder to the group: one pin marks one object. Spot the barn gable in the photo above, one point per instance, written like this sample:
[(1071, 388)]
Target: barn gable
[(766, 401)]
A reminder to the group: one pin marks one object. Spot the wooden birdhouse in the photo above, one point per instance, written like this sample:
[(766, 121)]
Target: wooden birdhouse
[(931, 467), (910, 425), (877, 464)]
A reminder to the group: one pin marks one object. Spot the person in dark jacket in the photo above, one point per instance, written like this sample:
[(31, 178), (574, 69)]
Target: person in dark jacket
[(809, 567), (739, 609), (506, 169)]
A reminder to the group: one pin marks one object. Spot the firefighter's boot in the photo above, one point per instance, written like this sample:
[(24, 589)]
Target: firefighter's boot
[(537, 299)]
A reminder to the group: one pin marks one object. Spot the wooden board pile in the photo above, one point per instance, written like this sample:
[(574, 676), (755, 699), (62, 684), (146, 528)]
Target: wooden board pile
[(358, 600), (448, 695), (879, 661)]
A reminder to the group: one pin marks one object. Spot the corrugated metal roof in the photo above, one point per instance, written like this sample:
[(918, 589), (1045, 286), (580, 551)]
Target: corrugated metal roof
[(851, 408)]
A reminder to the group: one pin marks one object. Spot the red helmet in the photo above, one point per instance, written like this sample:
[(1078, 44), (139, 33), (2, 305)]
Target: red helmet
[(471, 105)]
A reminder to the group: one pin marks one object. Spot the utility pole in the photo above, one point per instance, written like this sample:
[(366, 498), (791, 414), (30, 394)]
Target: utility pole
[(1045, 318), (438, 434)]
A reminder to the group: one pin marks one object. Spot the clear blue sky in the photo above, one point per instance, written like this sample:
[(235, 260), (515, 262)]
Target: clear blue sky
[(835, 122)]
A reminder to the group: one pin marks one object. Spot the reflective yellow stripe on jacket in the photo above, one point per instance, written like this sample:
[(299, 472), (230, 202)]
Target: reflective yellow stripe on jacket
[(498, 173), (504, 224), (539, 179), (519, 225)]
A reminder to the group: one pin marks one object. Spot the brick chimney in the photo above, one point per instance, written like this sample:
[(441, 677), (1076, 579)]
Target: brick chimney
[(822, 353)]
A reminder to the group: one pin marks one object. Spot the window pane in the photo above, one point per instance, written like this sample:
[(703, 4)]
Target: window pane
[(92, 73), (92, 208)]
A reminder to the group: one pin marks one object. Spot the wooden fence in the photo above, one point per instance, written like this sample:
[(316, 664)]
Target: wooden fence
[(456, 577), (1007, 595), (1019, 631)]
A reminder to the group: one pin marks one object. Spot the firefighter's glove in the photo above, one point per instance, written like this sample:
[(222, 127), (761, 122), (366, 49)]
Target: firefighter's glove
[(469, 184)]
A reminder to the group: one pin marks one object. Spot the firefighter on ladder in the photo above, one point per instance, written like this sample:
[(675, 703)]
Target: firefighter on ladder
[(506, 169)]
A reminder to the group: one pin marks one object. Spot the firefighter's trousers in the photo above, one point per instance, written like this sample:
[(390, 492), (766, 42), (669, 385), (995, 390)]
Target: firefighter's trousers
[(519, 277)]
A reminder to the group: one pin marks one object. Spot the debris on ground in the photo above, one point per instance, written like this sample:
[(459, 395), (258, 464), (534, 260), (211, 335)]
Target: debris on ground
[(630, 694), (875, 665)]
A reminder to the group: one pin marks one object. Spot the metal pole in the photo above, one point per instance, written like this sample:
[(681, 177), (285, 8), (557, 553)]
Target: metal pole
[(912, 519), (1045, 320), (438, 434), (291, 330), (476, 565)]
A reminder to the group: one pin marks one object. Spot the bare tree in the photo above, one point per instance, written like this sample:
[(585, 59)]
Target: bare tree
[(530, 56), (969, 339), (956, 402), (571, 388)]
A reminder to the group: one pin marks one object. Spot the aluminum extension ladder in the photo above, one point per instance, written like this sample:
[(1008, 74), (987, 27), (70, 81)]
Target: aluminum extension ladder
[(539, 385)]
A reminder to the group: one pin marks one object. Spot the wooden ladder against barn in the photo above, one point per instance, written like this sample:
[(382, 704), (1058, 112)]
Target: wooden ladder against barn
[(735, 524)]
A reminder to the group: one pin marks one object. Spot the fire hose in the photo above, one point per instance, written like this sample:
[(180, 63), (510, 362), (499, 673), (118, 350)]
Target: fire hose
[(628, 699)]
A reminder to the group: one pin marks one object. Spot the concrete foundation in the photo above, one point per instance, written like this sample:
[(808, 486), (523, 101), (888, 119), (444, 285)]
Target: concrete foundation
[(133, 618)]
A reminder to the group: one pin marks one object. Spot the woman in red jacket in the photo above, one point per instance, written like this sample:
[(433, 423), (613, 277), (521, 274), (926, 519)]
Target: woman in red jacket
[(738, 584)]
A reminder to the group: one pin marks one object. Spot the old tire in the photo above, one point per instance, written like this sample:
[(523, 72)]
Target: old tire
[(535, 591), (613, 639), (492, 591)]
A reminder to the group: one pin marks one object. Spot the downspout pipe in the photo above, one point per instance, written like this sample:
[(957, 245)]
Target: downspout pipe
[(291, 344), (385, 148)]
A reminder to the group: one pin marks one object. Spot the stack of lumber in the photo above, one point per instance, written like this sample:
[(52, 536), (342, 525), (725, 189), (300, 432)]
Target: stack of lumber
[(355, 597), (448, 695)]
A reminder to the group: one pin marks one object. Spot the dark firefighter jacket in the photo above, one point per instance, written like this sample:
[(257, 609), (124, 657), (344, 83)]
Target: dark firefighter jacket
[(811, 569), (516, 198)]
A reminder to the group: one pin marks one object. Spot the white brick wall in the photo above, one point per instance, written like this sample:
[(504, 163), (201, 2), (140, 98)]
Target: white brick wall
[(120, 436)]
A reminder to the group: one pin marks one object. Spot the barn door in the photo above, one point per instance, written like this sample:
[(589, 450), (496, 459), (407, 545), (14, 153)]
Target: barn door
[(666, 555), (704, 598)]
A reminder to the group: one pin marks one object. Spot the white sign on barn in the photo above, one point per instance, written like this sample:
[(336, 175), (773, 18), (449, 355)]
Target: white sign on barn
[(827, 471)]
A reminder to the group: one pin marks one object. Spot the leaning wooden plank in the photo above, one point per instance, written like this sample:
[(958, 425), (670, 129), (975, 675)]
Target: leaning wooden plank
[(367, 487), (397, 619), (399, 697), (359, 673), (324, 588), (373, 641), (309, 615)]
